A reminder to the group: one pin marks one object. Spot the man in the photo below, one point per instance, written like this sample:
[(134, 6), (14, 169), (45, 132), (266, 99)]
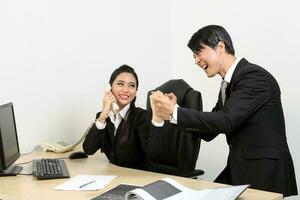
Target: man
[(248, 111)]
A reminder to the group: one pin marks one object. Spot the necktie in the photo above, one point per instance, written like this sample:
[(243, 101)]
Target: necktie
[(224, 85)]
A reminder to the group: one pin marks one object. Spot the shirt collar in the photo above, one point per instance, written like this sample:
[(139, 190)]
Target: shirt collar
[(122, 112), (229, 73)]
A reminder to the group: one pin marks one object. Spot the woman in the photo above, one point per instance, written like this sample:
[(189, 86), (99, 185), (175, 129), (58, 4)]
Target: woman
[(122, 135)]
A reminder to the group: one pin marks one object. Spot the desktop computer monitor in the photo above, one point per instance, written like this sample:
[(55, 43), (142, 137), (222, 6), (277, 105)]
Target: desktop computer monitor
[(9, 146)]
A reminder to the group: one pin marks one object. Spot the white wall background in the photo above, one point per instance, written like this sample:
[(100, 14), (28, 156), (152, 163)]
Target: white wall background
[(265, 33), (56, 55)]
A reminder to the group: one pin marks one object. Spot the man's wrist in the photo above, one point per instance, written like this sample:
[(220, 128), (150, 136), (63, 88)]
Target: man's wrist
[(173, 116), (157, 119), (157, 124)]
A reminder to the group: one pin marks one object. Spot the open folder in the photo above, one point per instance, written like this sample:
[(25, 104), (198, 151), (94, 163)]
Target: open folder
[(169, 189)]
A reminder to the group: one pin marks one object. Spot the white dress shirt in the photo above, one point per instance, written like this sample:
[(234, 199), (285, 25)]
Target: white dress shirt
[(115, 119)]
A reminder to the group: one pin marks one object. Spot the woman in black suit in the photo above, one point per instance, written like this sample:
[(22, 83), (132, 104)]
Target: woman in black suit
[(248, 111), (122, 135)]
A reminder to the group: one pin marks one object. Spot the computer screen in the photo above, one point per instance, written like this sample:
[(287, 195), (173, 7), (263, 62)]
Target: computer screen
[(9, 146)]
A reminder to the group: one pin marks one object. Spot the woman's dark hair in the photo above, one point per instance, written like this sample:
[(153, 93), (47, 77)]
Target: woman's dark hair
[(127, 69), (211, 35), (121, 69)]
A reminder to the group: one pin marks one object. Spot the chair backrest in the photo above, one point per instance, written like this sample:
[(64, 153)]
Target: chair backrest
[(181, 157)]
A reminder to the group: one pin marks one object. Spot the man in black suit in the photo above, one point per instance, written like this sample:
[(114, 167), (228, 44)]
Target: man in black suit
[(249, 112)]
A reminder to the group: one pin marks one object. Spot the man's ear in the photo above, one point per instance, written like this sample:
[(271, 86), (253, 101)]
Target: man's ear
[(221, 47)]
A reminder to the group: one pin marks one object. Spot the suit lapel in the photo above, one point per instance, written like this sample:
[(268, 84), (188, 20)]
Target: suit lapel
[(110, 130), (120, 128)]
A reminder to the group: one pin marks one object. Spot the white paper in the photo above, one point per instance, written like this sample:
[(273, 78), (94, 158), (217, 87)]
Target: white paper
[(226, 193), (85, 182), (223, 193)]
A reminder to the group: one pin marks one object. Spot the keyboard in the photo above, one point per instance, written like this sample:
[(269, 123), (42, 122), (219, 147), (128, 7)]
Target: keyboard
[(49, 168)]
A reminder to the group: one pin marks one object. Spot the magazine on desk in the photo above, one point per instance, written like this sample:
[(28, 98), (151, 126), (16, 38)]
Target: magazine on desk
[(169, 189)]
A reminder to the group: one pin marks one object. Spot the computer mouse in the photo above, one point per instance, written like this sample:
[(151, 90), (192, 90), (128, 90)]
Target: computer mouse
[(78, 154)]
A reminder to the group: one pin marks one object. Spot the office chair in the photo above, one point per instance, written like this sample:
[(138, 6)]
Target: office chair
[(176, 151)]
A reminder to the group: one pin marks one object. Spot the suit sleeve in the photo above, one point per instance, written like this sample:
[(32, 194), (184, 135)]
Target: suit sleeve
[(93, 139), (252, 89), (163, 143)]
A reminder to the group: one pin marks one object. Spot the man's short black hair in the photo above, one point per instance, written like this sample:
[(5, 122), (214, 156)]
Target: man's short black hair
[(211, 35)]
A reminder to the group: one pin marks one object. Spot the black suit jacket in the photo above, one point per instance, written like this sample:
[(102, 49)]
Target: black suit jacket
[(252, 119), (128, 147)]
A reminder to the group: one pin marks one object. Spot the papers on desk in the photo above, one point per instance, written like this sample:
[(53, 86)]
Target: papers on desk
[(85, 182)]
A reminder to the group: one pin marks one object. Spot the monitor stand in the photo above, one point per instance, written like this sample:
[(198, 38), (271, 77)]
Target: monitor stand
[(11, 171)]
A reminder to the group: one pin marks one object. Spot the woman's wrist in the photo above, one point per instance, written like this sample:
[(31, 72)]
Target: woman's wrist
[(102, 118)]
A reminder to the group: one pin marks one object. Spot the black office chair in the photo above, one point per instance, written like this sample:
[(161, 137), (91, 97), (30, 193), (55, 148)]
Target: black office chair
[(177, 150)]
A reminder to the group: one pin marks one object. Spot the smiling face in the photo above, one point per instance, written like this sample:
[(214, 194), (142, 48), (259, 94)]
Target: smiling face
[(210, 60), (124, 88)]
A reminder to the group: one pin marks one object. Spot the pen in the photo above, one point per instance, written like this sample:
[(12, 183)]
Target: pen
[(87, 184)]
